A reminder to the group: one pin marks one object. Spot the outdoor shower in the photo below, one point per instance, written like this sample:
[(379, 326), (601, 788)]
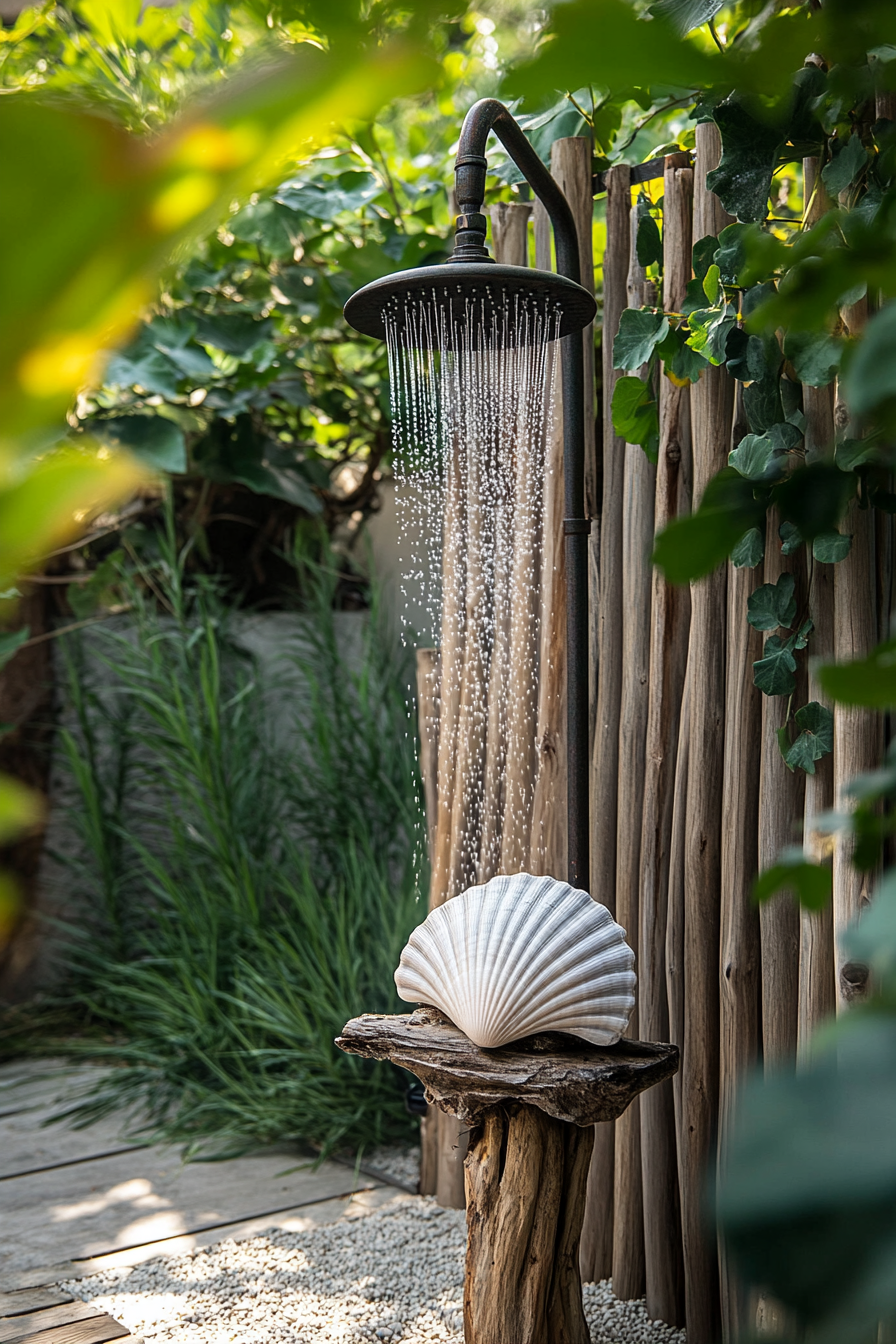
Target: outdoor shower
[(474, 309)]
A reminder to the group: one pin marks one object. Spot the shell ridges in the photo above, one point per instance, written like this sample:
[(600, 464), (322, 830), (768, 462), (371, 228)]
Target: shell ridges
[(520, 955)]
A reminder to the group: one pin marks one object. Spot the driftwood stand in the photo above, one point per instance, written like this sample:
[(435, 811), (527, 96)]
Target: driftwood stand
[(530, 1108)]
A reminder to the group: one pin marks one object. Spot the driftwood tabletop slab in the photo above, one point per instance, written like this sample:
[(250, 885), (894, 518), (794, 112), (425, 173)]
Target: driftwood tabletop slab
[(565, 1077)]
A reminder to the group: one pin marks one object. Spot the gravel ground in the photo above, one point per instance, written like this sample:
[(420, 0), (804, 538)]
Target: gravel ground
[(393, 1274), (402, 1164)]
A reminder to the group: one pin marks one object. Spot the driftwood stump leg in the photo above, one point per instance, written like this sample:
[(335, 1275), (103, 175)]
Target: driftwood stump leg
[(525, 1179), (531, 1108)]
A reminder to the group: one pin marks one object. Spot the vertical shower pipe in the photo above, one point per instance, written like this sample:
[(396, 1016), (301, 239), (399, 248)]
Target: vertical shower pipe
[(470, 170)]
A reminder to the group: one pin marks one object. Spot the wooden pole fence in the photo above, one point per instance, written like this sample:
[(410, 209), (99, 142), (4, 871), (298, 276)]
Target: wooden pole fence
[(690, 796)]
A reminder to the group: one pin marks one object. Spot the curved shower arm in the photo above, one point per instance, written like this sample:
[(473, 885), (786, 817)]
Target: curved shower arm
[(470, 169)]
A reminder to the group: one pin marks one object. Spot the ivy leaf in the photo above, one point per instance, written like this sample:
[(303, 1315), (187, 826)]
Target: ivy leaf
[(870, 379), (867, 681), (702, 256), (144, 367), (749, 550), (743, 178), (852, 453), (268, 224), (814, 497), (773, 672), (686, 366), (648, 244), (635, 415), (762, 403), (696, 544), (756, 458), (686, 15), (801, 638), (749, 357), (831, 547), (815, 356), (846, 165), (811, 882), (791, 539), (326, 200), (709, 329), (772, 605), (10, 643), (640, 331), (681, 364), (713, 287), (816, 737), (156, 440), (731, 256)]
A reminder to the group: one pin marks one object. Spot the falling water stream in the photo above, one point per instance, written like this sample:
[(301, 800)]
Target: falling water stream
[(472, 410)]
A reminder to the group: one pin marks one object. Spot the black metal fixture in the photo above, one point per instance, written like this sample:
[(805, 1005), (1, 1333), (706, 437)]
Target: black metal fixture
[(471, 272)]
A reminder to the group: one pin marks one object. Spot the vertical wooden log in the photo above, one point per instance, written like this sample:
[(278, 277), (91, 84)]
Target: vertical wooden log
[(571, 167), (739, 964), (857, 732), (547, 852), (781, 801), (605, 763), (510, 244), (816, 979), (428, 679), (449, 1141), (452, 661), (670, 614), (816, 974), (675, 984), (638, 492), (857, 739), (711, 409), (452, 1150), (467, 799), (597, 1233)]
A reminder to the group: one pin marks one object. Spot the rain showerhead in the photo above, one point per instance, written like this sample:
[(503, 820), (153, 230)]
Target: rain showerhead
[(469, 289), (460, 294), (471, 304)]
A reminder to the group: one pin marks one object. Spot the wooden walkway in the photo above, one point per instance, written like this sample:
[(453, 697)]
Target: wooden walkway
[(76, 1202)]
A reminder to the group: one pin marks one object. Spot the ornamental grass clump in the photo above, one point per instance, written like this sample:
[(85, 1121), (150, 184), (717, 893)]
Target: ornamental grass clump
[(245, 866)]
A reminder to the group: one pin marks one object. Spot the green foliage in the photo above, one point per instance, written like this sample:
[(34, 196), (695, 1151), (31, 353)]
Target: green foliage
[(815, 725), (772, 605), (247, 855), (867, 681), (641, 330), (792, 872), (247, 372), (67, 293), (808, 1205), (773, 673), (635, 414), (749, 550)]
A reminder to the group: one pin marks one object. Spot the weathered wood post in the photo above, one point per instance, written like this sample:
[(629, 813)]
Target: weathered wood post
[(531, 1108)]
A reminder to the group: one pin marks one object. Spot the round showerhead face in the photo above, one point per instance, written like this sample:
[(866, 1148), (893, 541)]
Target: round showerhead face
[(435, 305)]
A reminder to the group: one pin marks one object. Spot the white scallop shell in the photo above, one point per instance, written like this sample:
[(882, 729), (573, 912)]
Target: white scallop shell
[(520, 955)]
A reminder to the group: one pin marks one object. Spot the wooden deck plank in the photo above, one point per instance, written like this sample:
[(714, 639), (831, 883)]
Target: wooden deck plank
[(96, 1330), (67, 1313), (28, 1143), (41, 1087), (144, 1196), (31, 1299), (304, 1218), (37, 1276)]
